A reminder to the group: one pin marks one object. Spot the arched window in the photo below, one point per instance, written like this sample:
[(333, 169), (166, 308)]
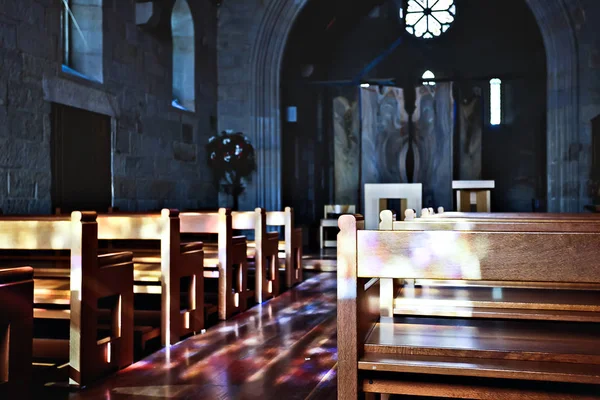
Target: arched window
[(427, 76), (182, 28), (82, 42), (429, 18), (495, 101)]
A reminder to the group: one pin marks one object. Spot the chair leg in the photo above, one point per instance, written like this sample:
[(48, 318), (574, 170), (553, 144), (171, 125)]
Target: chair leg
[(321, 237)]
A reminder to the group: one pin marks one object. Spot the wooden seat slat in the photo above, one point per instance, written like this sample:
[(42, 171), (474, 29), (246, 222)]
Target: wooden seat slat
[(531, 340), (498, 297), (495, 313), (466, 389), (477, 367), (508, 284)]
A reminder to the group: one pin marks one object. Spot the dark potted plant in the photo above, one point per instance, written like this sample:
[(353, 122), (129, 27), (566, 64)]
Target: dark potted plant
[(232, 161)]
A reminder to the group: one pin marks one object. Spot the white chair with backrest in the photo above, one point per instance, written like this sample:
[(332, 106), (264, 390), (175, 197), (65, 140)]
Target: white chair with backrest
[(330, 220)]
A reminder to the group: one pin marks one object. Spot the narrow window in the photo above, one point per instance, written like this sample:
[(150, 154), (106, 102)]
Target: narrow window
[(428, 77), (82, 38), (495, 101), (182, 27)]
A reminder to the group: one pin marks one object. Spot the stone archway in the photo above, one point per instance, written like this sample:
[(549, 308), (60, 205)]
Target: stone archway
[(251, 43)]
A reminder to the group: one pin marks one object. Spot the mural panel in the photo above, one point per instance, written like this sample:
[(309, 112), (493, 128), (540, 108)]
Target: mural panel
[(433, 122), (471, 128), (384, 130), (346, 126)]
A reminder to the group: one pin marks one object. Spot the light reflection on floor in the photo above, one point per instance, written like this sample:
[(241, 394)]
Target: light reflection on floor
[(279, 350)]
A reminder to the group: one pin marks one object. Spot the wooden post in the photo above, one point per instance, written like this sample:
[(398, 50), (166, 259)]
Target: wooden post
[(347, 311)]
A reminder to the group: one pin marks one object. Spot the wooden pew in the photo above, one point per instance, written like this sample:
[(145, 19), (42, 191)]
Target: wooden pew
[(161, 272), (177, 264), (291, 246), (16, 330), (530, 334), (264, 252), (230, 266), (95, 281), (509, 222)]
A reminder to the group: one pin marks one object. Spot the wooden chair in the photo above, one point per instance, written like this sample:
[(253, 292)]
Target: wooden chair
[(230, 266), (178, 269), (16, 330), (291, 247), (263, 252), (328, 222), (94, 282), (537, 323), (173, 272)]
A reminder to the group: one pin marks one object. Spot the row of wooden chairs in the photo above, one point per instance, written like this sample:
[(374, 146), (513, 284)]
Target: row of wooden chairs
[(470, 305), (87, 288)]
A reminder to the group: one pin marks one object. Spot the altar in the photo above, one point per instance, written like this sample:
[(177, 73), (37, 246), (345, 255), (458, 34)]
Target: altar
[(378, 194), (473, 195)]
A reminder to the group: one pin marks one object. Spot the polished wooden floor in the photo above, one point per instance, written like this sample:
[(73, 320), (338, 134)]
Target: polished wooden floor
[(282, 349)]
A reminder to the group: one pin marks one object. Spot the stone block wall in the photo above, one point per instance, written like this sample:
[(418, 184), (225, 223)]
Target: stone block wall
[(157, 150), (584, 14)]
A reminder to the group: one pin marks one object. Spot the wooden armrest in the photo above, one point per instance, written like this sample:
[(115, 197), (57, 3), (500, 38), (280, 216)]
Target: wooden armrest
[(192, 246), (273, 236), (237, 240), (114, 259), (18, 274), (51, 272)]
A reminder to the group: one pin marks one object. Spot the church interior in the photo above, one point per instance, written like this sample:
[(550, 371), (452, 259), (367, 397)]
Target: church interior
[(299, 199)]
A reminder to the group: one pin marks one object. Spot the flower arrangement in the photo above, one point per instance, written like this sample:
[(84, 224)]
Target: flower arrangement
[(232, 161)]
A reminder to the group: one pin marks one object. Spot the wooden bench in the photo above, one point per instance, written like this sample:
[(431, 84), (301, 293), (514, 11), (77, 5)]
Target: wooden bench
[(264, 252), (229, 265), (497, 342), (291, 246), (95, 282), (176, 274), (16, 330), (173, 272)]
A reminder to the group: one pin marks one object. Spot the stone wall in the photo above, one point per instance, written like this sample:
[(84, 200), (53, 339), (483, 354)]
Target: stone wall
[(585, 14), (158, 151)]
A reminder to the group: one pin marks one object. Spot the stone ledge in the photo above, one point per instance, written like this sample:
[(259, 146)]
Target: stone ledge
[(68, 92)]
